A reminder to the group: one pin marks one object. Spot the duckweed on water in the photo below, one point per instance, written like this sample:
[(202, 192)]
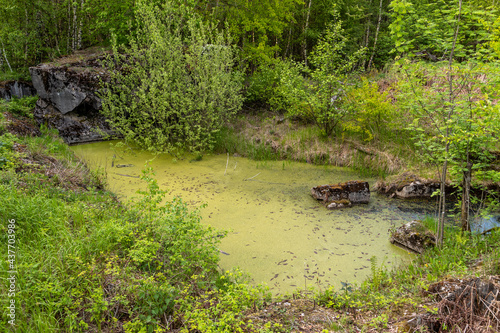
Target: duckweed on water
[(277, 232)]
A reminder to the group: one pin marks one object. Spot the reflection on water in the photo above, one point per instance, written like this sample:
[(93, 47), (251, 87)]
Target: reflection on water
[(278, 232), (481, 225)]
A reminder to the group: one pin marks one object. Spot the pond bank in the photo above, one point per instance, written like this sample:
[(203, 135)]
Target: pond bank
[(278, 232), (387, 300)]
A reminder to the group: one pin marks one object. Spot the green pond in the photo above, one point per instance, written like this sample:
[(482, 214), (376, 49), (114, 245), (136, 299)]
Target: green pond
[(278, 233)]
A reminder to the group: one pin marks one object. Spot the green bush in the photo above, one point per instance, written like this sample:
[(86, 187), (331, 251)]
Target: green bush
[(19, 106), (319, 97), (8, 157), (264, 84), (84, 258), (176, 85), (373, 111)]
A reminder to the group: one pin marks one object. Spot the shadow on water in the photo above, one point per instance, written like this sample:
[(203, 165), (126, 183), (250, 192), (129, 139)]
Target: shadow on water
[(278, 233)]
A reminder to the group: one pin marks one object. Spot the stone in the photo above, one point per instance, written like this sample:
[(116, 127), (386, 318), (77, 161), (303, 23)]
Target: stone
[(69, 100), (16, 88), (62, 88), (417, 189), (339, 204), (343, 194), (409, 186), (413, 236)]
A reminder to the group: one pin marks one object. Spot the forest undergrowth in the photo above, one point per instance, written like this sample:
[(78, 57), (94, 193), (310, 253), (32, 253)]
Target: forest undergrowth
[(86, 262)]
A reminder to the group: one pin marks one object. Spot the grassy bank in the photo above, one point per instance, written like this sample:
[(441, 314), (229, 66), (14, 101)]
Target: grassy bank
[(268, 135), (86, 262)]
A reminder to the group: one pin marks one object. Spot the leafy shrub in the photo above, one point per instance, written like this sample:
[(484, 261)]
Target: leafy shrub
[(19, 106), (220, 310), (8, 156), (373, 111), (265, 84), (319, 97), (176, 85)]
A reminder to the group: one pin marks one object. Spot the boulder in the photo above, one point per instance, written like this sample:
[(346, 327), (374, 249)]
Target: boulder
[(69, 99), (16, 88), (343, 194), (413, 236), (417, 189), (408, 186)]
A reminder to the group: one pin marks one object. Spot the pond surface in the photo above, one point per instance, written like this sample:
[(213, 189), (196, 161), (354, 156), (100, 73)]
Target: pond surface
[(278, 233)]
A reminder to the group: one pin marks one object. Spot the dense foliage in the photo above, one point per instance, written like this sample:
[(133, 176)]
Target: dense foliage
[(85, 261), (320, 96), (387, 86), (176, 85), (32, 31)]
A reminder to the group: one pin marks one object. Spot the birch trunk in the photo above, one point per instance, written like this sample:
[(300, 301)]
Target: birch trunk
[(376, 34), (448, 129), (466, 197), (367, 34), (80, 27), (74, 30), (306, 26), (5, 56), (69, 28)]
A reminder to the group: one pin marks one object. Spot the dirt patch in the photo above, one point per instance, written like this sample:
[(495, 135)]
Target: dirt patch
[(81, 56), (74, 176), (296, 315), (21, 126), (292, 140)]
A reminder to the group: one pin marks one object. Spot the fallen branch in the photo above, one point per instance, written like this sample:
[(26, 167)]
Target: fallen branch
[(489, 230), (226, 163), (120, 174), (252, 177)]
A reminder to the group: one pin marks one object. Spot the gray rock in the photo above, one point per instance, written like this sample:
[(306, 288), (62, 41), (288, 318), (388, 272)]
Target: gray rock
[(409, 186), (339, 204), (413, 236), (417, 189), (69, 100), (343, 194), (64, 88), (19, 89)]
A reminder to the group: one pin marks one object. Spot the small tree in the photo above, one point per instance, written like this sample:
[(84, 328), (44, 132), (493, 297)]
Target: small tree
[(318, 96), (175, 86), (454, 121)]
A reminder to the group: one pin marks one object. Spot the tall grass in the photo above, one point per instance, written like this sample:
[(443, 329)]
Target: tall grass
[(386, 291), (86, 262), (230, 142)]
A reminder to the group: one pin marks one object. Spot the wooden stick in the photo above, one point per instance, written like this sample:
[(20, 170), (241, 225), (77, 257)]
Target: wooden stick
[(252, 177), (226, 163)]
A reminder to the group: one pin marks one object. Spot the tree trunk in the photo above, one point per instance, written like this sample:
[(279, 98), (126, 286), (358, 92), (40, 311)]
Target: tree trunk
[(466, 197), (26, 42), (288, 43), (442, 210), (5, 56), (367, 34), (306, 26), (376, 34), (74, 30), (69, 28), (440, 236), (80, 27)]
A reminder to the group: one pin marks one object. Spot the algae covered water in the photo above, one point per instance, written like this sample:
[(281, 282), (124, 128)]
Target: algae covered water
[(278, 233)]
